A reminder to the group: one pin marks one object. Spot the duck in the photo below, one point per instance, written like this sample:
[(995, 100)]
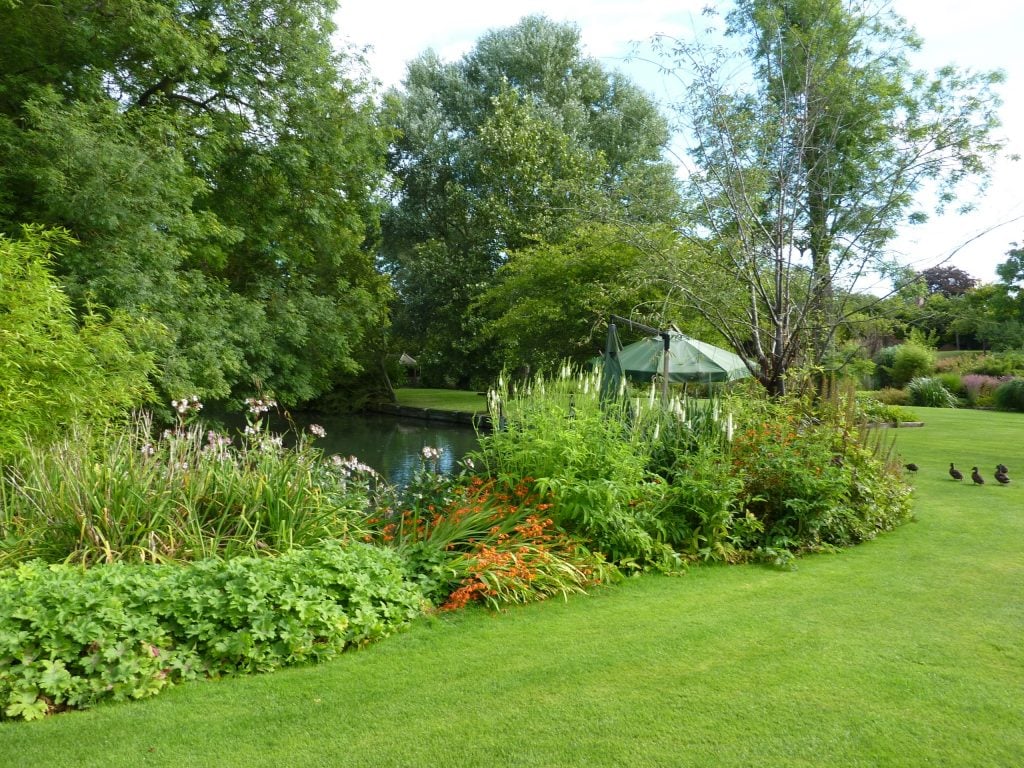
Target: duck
[(1002, 469), (976, 476), (1001, 477), (955, 473), (911, 467)]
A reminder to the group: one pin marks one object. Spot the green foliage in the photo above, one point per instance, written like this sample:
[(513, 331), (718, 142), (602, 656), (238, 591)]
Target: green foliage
[(522, 142), (998, 364), (217, 166), (467, 540), (884, 407), (893, 396), (929, 391), (1010, 395), (884, 360), (70, 638), (729, 479), (54, 371), (126, 495), (814, 477), (979, 390), (550, 301), (588, 461), (911, 361)]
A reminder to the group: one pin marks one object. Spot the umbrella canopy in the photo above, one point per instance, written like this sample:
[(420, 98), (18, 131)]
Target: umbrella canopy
[(688, 360)]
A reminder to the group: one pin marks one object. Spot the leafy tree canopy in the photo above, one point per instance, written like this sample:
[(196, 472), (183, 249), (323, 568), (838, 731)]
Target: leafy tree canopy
[(56, 371), (511, 147), (216, 164), (947, 280)]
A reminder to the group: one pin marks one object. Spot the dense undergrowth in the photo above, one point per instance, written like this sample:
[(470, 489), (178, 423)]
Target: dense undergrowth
[(132, 560)]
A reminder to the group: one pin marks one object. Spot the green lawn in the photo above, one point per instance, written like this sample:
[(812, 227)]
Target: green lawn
[(905, 651), (442, 399)]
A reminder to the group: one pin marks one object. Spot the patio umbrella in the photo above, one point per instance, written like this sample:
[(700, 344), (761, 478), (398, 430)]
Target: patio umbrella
[(688, 360)]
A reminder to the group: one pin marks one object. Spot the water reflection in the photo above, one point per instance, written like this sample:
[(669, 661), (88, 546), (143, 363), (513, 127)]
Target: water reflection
[(390, 444)]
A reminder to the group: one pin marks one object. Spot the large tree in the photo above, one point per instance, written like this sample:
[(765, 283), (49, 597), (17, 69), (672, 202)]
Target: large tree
[(513, 146), (216, 163), (811, 142)]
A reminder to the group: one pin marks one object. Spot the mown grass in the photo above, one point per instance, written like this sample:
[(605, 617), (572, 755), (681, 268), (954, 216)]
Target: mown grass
[(442, 399), (905, 651)]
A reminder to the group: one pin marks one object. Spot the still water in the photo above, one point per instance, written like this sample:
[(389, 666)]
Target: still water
[(392, 445)]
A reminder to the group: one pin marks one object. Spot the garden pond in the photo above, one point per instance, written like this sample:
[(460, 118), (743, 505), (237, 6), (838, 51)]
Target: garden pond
[(392, 445)]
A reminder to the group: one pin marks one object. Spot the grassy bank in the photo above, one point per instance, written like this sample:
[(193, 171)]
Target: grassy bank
[(904, 651), (442, 399)]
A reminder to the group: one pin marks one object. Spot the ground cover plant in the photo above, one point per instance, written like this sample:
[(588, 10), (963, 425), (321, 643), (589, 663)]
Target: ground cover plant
[(70, 638), (899, 652)]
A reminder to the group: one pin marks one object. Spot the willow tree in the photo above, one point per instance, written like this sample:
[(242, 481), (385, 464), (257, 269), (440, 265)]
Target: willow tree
[(813, 141)]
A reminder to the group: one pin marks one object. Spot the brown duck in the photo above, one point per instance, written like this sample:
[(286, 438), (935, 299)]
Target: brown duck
[(976, 476), (955, 473)]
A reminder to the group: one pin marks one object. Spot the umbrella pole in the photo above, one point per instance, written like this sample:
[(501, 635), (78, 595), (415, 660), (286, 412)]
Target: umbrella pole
[(664, 366)]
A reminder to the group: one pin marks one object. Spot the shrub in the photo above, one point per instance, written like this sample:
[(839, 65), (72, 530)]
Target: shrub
[(589, 462), (911, 361), (979, 389), (953, 382), (874, 411), (70, 638), (893, 396), (1010, 395), (1000, 364), (55, 372), (884, 360), (724, 480), (929, 392), (812, 478)]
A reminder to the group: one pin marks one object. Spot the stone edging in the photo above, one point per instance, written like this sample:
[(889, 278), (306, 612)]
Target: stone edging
[(896, 424)]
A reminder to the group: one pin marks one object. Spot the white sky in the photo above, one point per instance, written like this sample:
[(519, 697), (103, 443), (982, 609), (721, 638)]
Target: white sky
[(982, 35)]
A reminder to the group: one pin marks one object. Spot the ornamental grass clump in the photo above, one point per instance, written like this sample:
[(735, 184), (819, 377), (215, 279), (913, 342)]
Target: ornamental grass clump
[(929, 392), (125, 494), (1010, 395)]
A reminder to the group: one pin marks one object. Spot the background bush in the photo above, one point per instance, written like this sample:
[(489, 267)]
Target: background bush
[(929, 392), (1010, 395), (911, 361), (979, 389), (892, 396), (54, 372)]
